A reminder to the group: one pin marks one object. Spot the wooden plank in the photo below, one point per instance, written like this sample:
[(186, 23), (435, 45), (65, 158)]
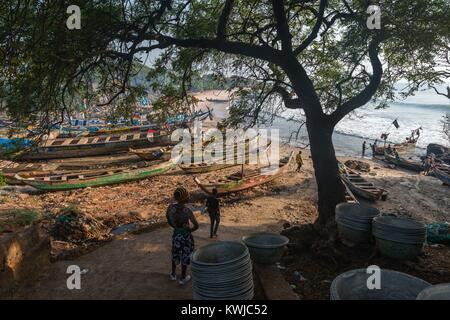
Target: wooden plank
[(67, 141)]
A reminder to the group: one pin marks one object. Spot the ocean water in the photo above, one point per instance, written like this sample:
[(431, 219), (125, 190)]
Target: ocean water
[(426, 109)]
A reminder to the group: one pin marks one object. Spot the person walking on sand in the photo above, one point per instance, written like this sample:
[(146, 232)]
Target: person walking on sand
[(299, 161), (183, 222), (363, 149), (213, 207), (426, 166)]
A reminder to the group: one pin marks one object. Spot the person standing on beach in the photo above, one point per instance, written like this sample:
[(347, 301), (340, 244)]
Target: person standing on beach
[(213, 207), (299, 161), (426, 166), (389, 149), (183, 222), (363, 149), (395, 153), (374, 147)]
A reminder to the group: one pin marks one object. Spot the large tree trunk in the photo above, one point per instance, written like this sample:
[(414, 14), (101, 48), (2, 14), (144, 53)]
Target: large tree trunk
[(330, 188)]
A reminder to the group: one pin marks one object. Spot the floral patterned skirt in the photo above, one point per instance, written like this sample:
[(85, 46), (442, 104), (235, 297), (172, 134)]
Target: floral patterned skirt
[(182, 248)]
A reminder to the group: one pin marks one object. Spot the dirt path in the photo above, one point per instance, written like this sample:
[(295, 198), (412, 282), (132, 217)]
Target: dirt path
[(137, 266)]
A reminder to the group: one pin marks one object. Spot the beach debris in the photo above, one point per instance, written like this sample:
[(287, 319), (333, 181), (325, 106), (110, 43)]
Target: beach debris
[(279, 266), (293, 286), (358, 165), (74, 226), (125, 228), (438, 233), (298, 276)]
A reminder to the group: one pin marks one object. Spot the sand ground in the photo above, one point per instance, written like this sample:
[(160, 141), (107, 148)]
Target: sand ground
[(137, 266)]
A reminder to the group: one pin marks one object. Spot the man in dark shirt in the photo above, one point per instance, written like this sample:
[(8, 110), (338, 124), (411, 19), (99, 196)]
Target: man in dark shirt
[(213, 207)]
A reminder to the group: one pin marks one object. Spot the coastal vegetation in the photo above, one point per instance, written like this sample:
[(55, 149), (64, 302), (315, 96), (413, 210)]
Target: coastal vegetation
[(316, 57)]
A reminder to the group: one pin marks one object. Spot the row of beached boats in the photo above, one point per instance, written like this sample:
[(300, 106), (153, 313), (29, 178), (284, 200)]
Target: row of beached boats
[(92, 161), (440, 170), (399, 155), (99, 160)]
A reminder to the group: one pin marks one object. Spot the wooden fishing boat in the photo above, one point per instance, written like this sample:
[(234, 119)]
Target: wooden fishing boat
[(442, 173), (87, 163), (116, 130), (7, 166), (97, 145), (198, 168), (404, 163), (240, 181), (150, 154), (405, 148), (204, 167), (360, 186), (349, 196), (96, 178)]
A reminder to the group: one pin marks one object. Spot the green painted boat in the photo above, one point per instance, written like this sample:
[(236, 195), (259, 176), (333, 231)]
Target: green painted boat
[(238, 182), (97, 178)]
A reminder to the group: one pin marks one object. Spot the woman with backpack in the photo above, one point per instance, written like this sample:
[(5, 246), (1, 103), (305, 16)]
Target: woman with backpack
[(183, 222)]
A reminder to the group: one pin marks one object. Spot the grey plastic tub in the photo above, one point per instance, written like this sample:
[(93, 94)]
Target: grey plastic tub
[(399, 237), (222, 271), (266, 247), (352, 285), (353, 235), (436, 292), (220, 253), (354, 221), (356, 211), (398, 250)]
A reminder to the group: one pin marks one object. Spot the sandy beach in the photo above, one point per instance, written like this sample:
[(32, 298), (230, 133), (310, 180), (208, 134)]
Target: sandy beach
[(287, 201)]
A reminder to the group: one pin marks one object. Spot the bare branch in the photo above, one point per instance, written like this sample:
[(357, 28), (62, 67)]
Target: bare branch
[(315, 30), (223, 20), (366, 94), (283, 32)]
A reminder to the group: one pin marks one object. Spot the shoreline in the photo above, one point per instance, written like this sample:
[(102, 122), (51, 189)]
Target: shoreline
[(291, 199)]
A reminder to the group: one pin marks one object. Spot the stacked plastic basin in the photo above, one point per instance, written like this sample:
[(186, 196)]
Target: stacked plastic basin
[(436, 292), (399, 237), (354, 221), (222, 271), (394, 285)]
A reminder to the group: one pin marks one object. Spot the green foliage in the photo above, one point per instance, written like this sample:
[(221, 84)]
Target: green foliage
[(18, 218), (2, 179), (49, 69), (71, 210)]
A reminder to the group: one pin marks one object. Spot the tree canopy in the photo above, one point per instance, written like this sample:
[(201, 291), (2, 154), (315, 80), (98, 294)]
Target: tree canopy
[(346, 64), (318, 56)]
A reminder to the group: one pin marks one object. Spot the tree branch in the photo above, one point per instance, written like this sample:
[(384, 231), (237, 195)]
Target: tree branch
[(315, 30), (283, 32), (259, 52), (447, 95), (223, 20), (289, 103), (367, 93)]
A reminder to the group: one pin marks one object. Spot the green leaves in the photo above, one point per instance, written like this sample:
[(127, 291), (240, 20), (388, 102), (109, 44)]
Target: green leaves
[(47, 67)]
